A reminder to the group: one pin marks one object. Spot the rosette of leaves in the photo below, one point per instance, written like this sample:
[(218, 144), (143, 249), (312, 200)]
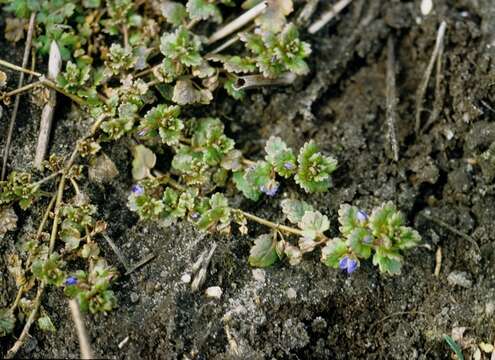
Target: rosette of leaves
[(276, 53), (80, 79), (180, 49), (215, 214), (49, 269), (77, 221), (176, 205), (18, 188), (120, 59), (91, 289), (164, 121), (314, 169), (383, 233), (145, 200), (120, 123), (200, 162), (311, 169)]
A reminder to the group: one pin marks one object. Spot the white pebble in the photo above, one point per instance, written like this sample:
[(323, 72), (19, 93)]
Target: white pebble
[(186, 278), (460, 278), (259, 275), (291, 293), (214, 292), (426, 7)]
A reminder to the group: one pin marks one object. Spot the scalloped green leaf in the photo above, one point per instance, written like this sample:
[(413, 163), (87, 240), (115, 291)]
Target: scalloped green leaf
[(295, 209), (263, 253)]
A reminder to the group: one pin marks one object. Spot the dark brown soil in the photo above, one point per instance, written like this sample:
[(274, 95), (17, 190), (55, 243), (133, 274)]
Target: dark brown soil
[(342, 105)]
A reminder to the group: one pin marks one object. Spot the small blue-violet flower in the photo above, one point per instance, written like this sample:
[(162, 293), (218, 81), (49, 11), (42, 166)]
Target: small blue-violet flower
[(270, 189), (367, 239), (71, 280), (195, 216), (289, 165), (348, 264), (362, 216), (137, 190)]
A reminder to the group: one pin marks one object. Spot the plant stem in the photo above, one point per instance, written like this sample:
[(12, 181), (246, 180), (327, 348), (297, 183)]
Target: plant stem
[(25, 331), (28, 261), (27, 49), (48, 178), (22, 89), (21, 69), (270, 224)]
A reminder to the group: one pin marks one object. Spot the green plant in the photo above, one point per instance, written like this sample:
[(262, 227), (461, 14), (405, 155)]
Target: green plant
[(143, 80)]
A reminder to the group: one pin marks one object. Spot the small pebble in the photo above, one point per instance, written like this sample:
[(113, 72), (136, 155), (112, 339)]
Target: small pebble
[(214, 292), (186, 278), (426, 7), (134, 297), (291, 293), (259, 275), (460, 278)]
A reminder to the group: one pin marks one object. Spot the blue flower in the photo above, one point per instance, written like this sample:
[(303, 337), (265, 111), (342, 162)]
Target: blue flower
[(195, 216), (71, 280), (270, 189), (137, 190), (289, 165), (362, 216), (348, 264), (367, 239)]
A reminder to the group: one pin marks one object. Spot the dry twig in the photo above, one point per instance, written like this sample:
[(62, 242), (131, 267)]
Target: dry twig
[(328, 16), (391, 92), (426, 76), (54, 67), (82, 335), (13, 118), (238, 23)]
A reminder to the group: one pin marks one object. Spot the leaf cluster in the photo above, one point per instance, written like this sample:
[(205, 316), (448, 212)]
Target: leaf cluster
[(383, 234), (311, 170)]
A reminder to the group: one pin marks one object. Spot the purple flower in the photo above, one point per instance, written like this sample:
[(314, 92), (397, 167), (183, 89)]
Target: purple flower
[(71, 280), (348, 264), (270, 189), (367, 239), (195, 216), (289, 165), (362, 216), (143, 132), (137, 190)]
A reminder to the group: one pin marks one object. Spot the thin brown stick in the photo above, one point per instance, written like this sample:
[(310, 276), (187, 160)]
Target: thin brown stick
[(19, 68), (328, 16), (254, 81), (391, 100), (238, 23), (82, 335), (140, 264), (117, 252), (22, 89), (420, 94), (453, 230), (438, 103), (27, 49), (32, 317), (54, 66), (438, 261)]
